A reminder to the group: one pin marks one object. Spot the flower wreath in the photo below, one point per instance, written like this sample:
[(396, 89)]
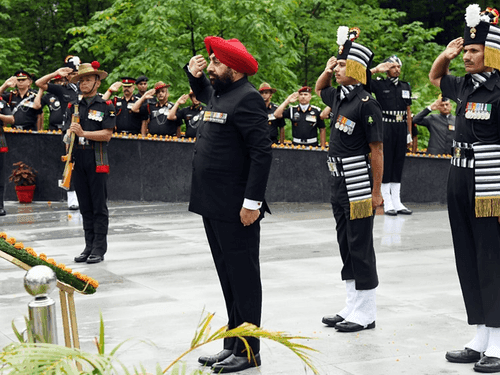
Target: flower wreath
[(77, 280)]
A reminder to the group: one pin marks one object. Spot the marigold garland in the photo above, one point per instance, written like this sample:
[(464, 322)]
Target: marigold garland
[(64, 274)]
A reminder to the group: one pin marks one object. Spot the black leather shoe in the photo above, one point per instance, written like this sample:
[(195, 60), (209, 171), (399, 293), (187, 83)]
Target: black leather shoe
[(405, 211), (463, 356), (391, 212), (82, 258), (73, 207), (352, 327), (2, 212), (95, 258), (234, 364), (209, 360), (488, 364), (331, 320)]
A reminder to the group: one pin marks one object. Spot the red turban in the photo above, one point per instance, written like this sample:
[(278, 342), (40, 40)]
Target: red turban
[(232, 54)]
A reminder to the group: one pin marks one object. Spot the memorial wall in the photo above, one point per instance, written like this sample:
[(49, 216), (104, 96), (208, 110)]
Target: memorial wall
[(160, 170)]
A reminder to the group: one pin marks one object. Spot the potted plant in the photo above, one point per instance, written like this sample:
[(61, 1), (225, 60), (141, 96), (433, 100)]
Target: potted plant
[(23, 176)]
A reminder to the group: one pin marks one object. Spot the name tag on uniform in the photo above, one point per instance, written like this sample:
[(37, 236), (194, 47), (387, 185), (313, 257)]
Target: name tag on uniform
[(406, 94), (28, 104), (451, 127), (96, 115), (119, 104), (2, 105), (311, 118), (130, 105), (271, 117), (217, 117)]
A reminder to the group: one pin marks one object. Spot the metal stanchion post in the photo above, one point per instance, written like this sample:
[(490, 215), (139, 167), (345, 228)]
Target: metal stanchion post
[(39, 281)]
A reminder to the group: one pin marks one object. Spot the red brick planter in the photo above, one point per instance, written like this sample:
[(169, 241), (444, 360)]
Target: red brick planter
[(25, 193)]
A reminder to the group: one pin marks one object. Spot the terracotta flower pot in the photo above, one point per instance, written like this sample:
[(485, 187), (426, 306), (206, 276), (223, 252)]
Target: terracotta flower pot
[(25, 193)]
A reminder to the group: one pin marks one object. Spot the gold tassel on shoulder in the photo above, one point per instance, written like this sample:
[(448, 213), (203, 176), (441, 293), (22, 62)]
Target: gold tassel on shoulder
[(487, 206), (361, 209), (356, 70), (492, 57)]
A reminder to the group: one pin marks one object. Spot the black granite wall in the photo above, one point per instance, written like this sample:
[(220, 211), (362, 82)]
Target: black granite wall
[(147, 170)]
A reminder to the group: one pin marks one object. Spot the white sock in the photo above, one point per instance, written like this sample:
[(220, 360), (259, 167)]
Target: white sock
[(480, 342), (365, 308), (395, 194), (386, 195), (350, 288), (72, 198), (493, 349)]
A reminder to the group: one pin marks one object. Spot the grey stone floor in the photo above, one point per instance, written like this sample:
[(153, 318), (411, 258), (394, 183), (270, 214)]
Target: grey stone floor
[(158, 278)]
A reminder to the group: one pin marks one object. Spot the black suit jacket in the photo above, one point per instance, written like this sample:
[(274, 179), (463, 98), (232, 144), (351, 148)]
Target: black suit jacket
[(232, 155)]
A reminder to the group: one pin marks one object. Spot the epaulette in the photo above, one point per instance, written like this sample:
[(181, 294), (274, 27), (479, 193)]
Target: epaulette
[(109, 102), (315, 107)]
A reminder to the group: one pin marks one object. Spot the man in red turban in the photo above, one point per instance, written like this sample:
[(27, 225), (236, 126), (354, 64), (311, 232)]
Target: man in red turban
[(231, 163)]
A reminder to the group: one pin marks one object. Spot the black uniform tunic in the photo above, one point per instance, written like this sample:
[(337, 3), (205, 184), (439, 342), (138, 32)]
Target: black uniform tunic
[(91, 186), (158, 122), (191, 116), (361, 112), (231, 162), (25, 117), (56, 111), (305, 124), (394, 100), (441, 128), (4, 110), (275, 124), (126, 120), (476, 240)]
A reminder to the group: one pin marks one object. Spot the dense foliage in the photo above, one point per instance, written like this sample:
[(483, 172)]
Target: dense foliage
[(291, 39)]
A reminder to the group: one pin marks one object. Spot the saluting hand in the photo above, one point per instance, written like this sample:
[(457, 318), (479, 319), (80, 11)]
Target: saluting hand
[(64, 71), (183, 99), (248, 217), (331, 64), (196, 65), (293, 97), (115, 86), (454, 48), (384, 67), (11, 82), (436, 104), (149, 94)]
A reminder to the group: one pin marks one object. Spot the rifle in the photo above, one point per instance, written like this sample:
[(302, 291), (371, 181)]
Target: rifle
[(68, 168)]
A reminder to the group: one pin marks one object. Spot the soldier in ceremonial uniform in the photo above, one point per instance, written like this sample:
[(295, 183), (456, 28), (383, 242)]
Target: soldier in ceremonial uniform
[(6, 118), (127, 121), (190, 115), (305, 119), (441, 127), (394, 96), (91, 168), (60, 96), (231, 164), (356, 178), (24, 102), (473, 193), (275, 125), (56, 110), (157, 122)]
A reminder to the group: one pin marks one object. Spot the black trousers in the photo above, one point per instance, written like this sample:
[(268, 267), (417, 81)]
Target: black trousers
[(477, 250), (91, 190), (235, 250), (2, 177), (394, 151), (355, 239)]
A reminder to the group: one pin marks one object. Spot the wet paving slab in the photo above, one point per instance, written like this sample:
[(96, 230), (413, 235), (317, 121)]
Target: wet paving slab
[(158, 278)]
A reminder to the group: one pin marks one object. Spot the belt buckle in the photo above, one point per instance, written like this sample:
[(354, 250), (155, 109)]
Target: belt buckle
[(332, 166), (457, 153), (399, 117)]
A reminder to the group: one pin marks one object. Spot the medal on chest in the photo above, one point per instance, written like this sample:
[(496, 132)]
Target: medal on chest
[(96, 115), (345, 125), (478, 111), (217, 117)]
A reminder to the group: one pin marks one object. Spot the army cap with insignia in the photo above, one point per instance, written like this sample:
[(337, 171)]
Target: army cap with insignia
[(141, 79), (128, 81), (22, 74), (159, 85)]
